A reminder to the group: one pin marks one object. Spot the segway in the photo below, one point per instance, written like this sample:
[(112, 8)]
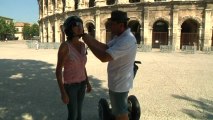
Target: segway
[(133, 105)]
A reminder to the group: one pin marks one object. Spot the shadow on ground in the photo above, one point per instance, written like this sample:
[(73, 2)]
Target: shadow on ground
[(203, 107), (29, 91)]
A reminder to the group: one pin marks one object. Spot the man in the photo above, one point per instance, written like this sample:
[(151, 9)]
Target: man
[(120, 53)]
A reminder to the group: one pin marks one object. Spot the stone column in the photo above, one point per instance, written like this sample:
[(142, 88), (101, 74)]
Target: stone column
[(175, 31), (97, 24), (45, 28), (149, 42), (169, 36), (103, 35), (57, 31), (50, 8), (207, 28), (40, 11), (178, 38), (142, 35), (147, 29), (41, 31), (59, 6), (72, 5), (121, 1), (50, 39), (68, 5), (212, 36), (99, 3), (81, 4), (44, 9), (200, 37), (84, 4)]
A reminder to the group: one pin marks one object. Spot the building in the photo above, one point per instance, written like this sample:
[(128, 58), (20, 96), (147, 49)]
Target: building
[(19, 27), (7, 20), (155, 23)]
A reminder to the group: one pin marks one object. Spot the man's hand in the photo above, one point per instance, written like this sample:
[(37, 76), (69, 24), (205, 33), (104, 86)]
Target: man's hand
[(86, 37)]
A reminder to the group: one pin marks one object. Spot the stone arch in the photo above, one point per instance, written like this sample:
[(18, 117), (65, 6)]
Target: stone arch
[(136, 19), (89, 21), (135, 27), (91, 3), (110, 2), (152, 22), (160, 33), (90, 26), (197, 19), (189, 33)]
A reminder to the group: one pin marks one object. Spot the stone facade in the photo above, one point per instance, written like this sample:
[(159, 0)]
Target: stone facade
[(155, 23)]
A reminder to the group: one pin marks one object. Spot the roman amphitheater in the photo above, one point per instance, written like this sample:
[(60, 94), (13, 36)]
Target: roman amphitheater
[(167, 24)]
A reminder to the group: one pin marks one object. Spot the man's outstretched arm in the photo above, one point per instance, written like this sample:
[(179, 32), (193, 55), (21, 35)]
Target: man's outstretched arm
[(97, 48)]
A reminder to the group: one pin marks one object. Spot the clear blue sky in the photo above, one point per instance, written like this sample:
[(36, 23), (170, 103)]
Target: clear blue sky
[(20, 10)]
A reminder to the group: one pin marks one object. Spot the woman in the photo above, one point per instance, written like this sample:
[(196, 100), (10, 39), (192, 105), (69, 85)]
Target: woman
[(72, 59)]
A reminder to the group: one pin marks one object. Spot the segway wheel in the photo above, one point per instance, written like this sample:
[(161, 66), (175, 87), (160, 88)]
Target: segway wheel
[(103, 109), (134, 108)]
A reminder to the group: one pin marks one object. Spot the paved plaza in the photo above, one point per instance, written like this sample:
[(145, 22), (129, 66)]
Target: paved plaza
[(169, 86)]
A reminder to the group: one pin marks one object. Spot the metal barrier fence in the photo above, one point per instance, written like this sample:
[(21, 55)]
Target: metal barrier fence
[(208, 50), (166, 48), (32, 44), (144, 48), (189, 49)]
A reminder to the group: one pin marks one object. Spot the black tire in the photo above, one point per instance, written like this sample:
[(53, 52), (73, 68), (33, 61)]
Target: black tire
[(134, 108), (103, 109)]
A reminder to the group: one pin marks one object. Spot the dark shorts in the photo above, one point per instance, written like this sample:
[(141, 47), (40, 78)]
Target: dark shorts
[(119, 102)]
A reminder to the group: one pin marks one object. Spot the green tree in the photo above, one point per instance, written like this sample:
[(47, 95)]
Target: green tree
[(7, 30), (2, 28), (30, 31), (34, 29), (26, 32)]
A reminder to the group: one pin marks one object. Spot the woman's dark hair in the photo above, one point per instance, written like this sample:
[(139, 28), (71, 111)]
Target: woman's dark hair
[(69, 23)]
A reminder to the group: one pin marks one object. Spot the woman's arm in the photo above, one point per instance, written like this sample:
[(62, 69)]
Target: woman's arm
[(89, 87), (62, 56)]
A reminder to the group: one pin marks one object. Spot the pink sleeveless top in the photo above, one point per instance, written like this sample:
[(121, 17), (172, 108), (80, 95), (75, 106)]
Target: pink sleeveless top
[(74, 66)]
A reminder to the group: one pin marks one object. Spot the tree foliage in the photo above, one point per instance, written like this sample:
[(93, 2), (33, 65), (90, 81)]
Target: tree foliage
[(6, 29), (26, 32), (30, 31)]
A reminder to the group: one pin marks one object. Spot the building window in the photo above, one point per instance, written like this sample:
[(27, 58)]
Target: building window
[(110, 2), (91, 3), (134, 1)]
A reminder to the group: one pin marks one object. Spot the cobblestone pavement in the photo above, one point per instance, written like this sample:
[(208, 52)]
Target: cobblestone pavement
[(169, 86)]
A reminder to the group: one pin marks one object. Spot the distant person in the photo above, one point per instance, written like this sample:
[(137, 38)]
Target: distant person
[(72, 58), (37, 44), (120, 52)]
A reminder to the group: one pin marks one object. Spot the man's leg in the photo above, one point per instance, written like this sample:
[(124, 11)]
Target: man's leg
[(119, 105)]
